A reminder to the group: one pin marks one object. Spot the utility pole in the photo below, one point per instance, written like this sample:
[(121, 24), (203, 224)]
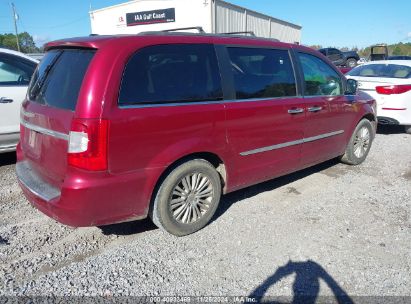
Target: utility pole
[(15, 17)]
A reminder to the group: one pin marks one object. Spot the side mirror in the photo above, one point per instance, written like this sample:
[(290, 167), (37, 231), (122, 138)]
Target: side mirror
[(351, 88)]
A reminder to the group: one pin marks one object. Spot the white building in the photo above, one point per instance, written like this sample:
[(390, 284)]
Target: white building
[(214, 16)]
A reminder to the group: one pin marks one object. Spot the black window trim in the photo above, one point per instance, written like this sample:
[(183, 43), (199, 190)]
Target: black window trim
[(332, 66), (18, 58), (227, 81)]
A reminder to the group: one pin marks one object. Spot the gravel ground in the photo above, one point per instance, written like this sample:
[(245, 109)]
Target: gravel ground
[(331, 229)]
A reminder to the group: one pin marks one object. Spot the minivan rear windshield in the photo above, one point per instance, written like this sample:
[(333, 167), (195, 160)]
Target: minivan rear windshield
[(58, 78)]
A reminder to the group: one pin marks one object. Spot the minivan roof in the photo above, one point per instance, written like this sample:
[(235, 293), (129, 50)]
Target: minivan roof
[(98, 41)]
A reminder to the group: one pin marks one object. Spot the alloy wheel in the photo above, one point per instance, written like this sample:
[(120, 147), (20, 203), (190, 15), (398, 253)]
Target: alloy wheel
[(191, 198), (362, 142)]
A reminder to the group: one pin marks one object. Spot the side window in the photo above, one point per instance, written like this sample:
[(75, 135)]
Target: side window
[(15, 71), (262, 73), (319, 77), (171, 73)]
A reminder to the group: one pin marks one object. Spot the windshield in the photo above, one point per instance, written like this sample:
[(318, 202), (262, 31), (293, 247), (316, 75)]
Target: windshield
[(382, 70), (58, 78)]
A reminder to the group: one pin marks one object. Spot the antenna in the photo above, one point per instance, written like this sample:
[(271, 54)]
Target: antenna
[(15, 18)]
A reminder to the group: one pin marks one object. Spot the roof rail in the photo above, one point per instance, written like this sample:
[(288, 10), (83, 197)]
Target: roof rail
[(198, 28), (231, 35), (251, 33)]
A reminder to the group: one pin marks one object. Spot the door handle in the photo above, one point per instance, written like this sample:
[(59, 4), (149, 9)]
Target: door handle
[(315, 109), (5, 100), (296, 111)]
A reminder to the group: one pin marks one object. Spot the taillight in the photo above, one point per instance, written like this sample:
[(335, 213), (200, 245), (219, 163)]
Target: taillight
[(393, 89), (88, 144)]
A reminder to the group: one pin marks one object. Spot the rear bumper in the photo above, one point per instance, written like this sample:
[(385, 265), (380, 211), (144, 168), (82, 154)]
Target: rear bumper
[(89, 199), (35, 184), (8, 142), (398, 115)]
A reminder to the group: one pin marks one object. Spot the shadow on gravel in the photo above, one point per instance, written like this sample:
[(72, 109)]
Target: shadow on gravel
[(7, 159), (232, 198), (390, 129), (306, 286), (128, 228)]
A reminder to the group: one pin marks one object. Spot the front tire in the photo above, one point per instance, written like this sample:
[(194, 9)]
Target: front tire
[(187, 198), (407, 129), (360, 144)]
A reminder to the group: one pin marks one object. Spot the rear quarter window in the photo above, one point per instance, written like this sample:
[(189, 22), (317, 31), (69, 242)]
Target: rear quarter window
[(172, 73)]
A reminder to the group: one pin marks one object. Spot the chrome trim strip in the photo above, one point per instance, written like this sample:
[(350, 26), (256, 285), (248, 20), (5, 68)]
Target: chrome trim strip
[(44, 130), (273, 147), (322, 136), (33, 183), (291, 143), (25, 113), (324, 96), (193, 103), (171, 104)]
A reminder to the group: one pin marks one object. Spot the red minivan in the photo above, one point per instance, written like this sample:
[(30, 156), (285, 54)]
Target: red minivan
[(118, 128)]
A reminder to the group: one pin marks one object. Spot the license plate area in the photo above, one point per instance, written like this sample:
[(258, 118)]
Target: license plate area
[(33, 142), (32, 138)]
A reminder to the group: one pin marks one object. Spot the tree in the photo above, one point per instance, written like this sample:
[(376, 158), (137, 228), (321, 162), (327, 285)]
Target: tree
[(27, 44), (397, 50), (8, 41), (316, 47)]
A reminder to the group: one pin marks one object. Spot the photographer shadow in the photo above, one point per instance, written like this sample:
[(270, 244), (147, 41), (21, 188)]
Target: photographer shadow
[(306, 286)]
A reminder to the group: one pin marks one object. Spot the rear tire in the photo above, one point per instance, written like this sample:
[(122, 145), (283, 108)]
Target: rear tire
[(407, 129), (360, 143), (351, 63), (187, 198)]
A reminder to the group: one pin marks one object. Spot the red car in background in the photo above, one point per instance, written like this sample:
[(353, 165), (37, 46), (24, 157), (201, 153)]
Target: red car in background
[(345, 70), (117, 128)]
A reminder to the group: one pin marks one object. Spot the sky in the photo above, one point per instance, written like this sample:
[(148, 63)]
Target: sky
[(345, 23)]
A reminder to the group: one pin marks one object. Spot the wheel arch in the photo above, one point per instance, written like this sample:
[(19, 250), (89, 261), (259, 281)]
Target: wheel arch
[(371, 117), (211, 157)]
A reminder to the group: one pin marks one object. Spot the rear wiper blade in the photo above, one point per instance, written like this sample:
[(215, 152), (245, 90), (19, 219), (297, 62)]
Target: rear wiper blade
[(40, 82)]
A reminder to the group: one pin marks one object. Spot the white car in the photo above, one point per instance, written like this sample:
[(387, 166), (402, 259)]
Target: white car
[(16, 70), (389, 82)]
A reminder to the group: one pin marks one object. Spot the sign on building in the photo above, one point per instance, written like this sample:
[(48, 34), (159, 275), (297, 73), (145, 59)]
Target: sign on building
[(151, 17)]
